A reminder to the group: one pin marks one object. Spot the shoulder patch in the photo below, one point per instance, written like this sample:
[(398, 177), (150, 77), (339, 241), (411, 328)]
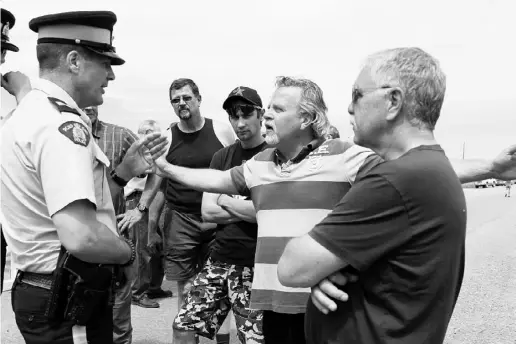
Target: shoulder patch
[(76, 132), (62, 106)]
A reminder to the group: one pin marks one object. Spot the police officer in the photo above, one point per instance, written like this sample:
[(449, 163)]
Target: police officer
[(16, 84), (56, 197)]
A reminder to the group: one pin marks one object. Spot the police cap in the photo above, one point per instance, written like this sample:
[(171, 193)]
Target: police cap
[(89, 29), (7, 24)]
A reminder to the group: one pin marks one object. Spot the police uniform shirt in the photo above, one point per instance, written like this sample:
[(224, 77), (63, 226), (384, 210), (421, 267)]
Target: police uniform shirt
[(49, 160)]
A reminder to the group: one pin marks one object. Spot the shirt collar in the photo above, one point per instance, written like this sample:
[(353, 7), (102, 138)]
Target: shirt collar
[(279, 159), (96, 127), (56, 91)]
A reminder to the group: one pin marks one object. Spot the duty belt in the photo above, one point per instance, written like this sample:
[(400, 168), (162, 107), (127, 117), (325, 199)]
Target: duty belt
[(41, 280)]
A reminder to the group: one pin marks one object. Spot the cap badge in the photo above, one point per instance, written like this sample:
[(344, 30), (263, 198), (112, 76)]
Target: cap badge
[(238, 92), (5, 29)]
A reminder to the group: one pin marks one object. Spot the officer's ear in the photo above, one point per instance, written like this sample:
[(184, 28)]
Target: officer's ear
[(74, 61)]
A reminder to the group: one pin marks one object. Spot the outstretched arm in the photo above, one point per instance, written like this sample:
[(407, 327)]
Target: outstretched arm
[(502, 167), (204, 180)]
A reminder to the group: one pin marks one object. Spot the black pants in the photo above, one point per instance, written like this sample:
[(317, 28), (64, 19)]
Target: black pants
[(4, 257), (29, 303), (283, 328)]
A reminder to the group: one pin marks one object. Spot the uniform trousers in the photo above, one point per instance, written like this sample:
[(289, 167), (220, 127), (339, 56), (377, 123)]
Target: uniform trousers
[(29, 303)]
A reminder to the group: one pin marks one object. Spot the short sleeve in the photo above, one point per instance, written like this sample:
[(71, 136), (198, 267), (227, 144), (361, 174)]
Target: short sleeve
[(217, 160), (64, 156), (241, 175), (355, 158), (366, 225)]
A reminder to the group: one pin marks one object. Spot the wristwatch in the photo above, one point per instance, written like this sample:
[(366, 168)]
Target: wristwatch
[(142, 208), (118, 180)]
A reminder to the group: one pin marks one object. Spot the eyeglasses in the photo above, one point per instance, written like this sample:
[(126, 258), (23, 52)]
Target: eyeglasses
[(176, 100), (246, 110), (357, 93)]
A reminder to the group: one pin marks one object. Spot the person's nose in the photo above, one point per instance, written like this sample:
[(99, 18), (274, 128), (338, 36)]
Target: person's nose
[(111, 73)]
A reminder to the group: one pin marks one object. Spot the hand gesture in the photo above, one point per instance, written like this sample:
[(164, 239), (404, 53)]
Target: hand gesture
[(141, 155)]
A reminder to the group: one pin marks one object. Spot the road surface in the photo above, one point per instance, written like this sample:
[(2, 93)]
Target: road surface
[(485, 311)]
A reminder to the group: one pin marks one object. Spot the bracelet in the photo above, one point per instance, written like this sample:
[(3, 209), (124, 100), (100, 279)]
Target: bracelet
[(133, 253), (118, 180)]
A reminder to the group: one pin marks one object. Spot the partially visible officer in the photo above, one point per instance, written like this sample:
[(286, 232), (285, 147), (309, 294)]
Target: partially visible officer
[(17, 84), (56, 197)]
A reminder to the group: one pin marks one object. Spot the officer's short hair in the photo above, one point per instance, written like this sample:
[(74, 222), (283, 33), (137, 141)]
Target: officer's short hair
[(50, 54), (182, 82)]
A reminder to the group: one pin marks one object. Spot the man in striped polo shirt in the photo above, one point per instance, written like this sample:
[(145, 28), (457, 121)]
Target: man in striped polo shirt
[(293, 187)]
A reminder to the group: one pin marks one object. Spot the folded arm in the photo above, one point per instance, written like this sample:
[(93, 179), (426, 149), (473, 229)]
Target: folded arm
[(212, 212), (242, 209)]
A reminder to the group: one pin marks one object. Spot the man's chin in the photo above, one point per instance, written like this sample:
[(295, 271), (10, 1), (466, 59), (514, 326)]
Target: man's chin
[(272, 140)]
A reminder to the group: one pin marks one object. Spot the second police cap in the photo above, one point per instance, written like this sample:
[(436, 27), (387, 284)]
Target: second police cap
[(89, 29), (7, 24), (245, 93)]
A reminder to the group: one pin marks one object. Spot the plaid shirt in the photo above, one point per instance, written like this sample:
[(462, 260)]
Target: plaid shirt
[(114, 141)]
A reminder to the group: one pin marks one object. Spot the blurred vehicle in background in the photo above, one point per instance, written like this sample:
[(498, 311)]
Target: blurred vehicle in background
[(486, 183)]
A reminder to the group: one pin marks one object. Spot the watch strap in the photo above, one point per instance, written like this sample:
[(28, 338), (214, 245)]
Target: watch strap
[(142, 208), (118, 180)]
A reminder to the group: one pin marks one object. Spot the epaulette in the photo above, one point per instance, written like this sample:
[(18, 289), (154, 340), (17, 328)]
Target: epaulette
[(62, 106)]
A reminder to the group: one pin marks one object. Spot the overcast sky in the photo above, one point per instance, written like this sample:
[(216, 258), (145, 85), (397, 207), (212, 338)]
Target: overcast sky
[(224, 44)]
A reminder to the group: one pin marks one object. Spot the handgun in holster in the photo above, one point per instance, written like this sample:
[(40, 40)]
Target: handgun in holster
[(78, 289)]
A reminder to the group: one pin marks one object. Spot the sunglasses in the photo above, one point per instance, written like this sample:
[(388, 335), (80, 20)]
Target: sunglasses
[(245, 109), (176, 100), (357, 93)]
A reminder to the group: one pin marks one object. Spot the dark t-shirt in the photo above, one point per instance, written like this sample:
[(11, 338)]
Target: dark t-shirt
[(191, 150), (403, 228), (235, 243)]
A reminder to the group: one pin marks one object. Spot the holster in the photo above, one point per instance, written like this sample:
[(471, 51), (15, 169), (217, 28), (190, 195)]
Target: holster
[(78, 289)]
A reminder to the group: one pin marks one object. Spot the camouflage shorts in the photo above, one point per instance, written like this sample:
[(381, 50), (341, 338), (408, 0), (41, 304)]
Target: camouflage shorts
[(218, 288)]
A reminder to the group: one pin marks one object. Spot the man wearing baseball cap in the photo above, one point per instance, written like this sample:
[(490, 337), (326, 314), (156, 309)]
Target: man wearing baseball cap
[(225, 281), (57, 184)]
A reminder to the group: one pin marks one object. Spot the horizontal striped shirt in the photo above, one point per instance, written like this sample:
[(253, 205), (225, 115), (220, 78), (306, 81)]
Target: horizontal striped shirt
[(290, 199)]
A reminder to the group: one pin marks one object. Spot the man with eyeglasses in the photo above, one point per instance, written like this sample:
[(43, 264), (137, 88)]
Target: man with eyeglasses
[(401, 228), (194, 140), (224, 283)]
